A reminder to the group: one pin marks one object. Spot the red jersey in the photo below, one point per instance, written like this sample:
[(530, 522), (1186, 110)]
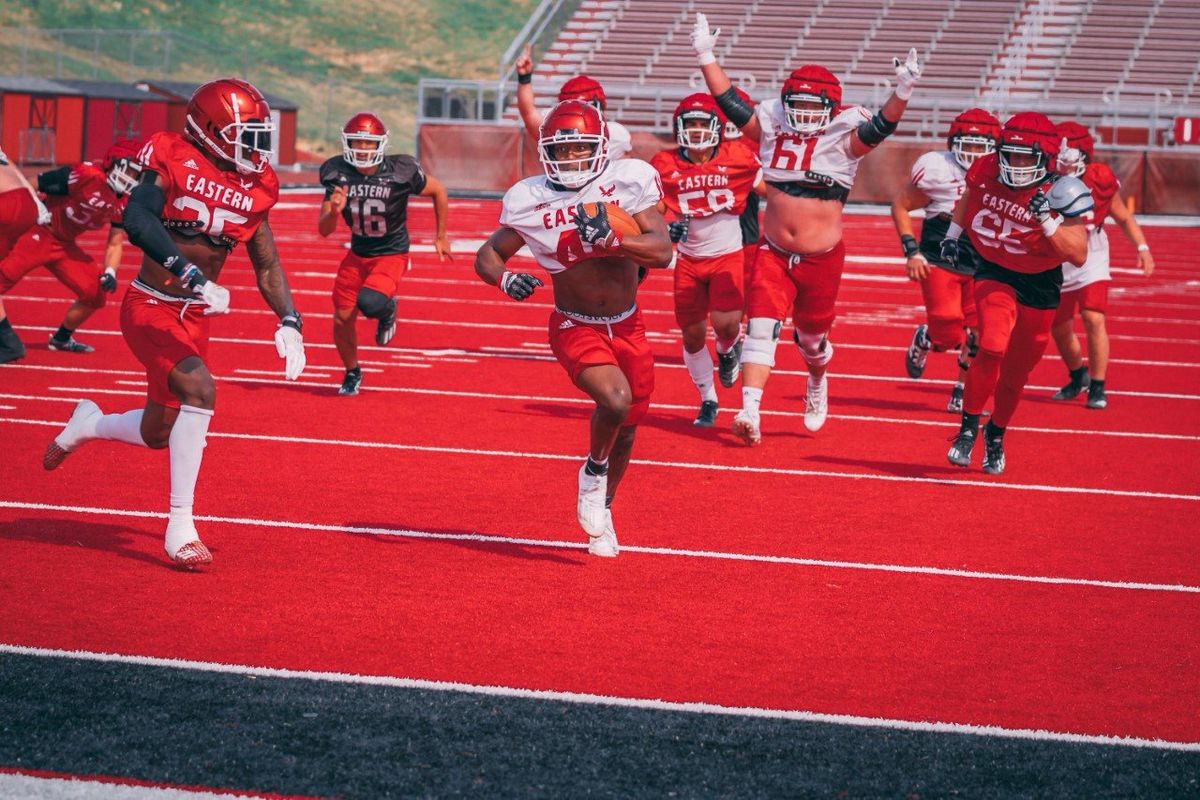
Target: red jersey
[(1104, 185), (224, 205), (713, 194), (89, 204), (999, 223)]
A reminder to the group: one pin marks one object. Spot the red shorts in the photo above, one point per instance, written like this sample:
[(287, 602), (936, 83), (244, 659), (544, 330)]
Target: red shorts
[(17, 215), (708, 284), (579, 345), (74, 268), (380, 273), (949, 307), (1093, 297), (807, 285), (161, 333)]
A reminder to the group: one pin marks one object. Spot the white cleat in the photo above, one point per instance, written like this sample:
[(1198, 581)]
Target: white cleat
[(745, 427), (590, 508), (604, 545), (73, 435), (816, 404)]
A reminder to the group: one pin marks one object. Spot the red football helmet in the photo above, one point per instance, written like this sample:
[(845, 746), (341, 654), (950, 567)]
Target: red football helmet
[(816, 87), (231, 119), (573, 122), (364, 127), (976, 128), (1079, 150), (699, 106), (732, 131), (1027, 133), (581, 87), (123, 168)]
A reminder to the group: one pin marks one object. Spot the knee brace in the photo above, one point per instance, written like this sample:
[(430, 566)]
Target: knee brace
[(372, 304), (762, 337), (815, 347)]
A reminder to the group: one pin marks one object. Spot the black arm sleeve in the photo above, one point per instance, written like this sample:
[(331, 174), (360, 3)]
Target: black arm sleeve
[(143, 225), (734, 107), (54, 181), (876, 129)]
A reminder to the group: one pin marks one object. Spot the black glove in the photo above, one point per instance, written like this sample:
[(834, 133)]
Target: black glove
[(108, 281), (1039, 206), (950, 251), (596, 230), (519, 285), (678, 229)]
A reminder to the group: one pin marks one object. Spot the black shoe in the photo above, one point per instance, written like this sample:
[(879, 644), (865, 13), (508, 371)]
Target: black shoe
[(707, 416), (71, 345), (954, 405), (386, 328), (918, 352), (963, 444), (11, 347), (729, 365), (1096, 397), (351, 382), (1072, 389), (993, 454)]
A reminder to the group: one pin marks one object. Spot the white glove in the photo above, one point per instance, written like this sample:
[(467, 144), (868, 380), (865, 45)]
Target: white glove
[(704, 41), (908, 72), (290, 345), (215, 295), (43, 212)]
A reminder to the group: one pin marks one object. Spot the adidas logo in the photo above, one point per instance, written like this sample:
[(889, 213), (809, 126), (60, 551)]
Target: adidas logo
[(191, 164), (566, 323)]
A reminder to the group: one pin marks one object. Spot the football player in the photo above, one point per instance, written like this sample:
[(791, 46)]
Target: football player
[(596, 328), (810, 146), (1087, 287), (935, 184), (20, 209), (1024, 221), (581, 87), (706, 183), (202, 193), (80, 198), (369, 190), (749, 219)]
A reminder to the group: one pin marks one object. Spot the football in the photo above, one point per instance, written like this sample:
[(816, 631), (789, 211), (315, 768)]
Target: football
[(618, 218)]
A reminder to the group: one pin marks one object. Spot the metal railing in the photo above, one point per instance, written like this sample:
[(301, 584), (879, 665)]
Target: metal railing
[(121, 54)]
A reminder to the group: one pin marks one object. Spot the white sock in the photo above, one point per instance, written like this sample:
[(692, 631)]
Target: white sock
[(186, 450), (181, 529), (700, 367), (751, 398), (125, 427)]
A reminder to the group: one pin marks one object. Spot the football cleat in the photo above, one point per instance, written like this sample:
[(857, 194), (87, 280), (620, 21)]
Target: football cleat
[(351, 382), (729, 365), (954, 405), (962, 445), (386, 328), (993, 453), (816, 403), (70, 438), (193, 554), (707, 416), (71, 345), (1096, 397), (11, 347), (590, 506), (745, 427), (604, 545), (918, 352), (1072, 389)]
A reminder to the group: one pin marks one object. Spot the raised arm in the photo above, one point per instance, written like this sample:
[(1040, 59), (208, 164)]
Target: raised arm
[(883, 123), (719, 86), (525, 103)]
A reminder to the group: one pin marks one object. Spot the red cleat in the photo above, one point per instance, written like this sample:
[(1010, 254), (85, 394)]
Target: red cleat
[(193, 554)]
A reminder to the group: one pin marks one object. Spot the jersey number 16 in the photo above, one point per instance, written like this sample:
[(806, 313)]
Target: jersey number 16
[(366, 218)]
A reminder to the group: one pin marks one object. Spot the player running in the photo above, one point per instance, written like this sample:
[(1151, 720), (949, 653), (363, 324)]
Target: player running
[(202, 193), (592, 253), (370, 191), (20, 210), (706, 183), (935, 184)]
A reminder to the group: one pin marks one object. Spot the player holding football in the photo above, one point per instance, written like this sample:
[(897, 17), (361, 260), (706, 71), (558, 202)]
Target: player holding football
[(80, 198), (20, 210), (1024, 222), (706, 183), (202, 192), (370, 191), (581, 87), (1087, 287), (935, 184), (596, 328), (810, 147)]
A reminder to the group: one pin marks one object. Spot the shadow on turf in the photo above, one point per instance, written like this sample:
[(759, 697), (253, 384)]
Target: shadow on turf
[(497, 548), (119, 539), (904, 469)]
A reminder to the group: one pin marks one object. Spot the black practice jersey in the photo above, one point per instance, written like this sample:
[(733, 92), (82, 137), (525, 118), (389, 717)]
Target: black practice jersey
[(376, 205)]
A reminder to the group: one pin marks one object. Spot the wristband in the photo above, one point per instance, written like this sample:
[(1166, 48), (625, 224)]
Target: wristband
[(525, 79), (909, 243), (1050, 225), (292, 320), (1143, 248), (501, 284), (706, 58), (954, 231)]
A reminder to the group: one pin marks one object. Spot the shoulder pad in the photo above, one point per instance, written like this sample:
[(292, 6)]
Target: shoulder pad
[(1070, 196)]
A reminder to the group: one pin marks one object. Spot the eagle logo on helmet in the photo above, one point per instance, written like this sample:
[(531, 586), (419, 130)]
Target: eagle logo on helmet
[(231, 119), (1079, 150), (364, 127), (818, 90), (974, 128), (1027, 134), (573, 122), (122, 166), (703, 108)]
